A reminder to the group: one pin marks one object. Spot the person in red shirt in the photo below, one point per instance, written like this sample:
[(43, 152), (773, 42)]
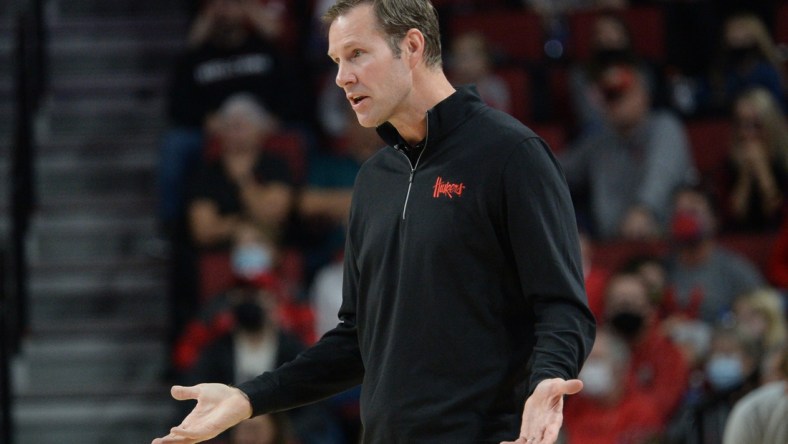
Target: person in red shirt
[(609, 410), (657, 369)]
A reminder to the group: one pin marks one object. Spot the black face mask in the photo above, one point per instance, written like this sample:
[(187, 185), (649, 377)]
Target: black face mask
[(605, 57), (627, 323), (250, 317)]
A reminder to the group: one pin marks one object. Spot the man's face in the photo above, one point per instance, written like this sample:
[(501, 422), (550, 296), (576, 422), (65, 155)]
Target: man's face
[(375, 81)]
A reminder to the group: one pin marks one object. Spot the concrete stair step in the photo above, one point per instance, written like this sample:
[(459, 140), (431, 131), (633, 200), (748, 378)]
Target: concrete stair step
[(143, 27), (63, 365), (75, 177), (95, 9), (97, 84), (82, 238), (109, 117), (99, 146), (77, 421)]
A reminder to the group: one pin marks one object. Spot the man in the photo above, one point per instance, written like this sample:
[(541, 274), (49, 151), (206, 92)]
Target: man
[(704, 276), (629, 168), (463, 290), (657, 369)]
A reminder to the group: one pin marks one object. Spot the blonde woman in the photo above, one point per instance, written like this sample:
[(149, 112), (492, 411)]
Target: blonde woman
[(760, 316), (758, 161)]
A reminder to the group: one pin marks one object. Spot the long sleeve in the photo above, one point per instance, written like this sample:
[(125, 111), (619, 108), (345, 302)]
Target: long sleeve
[(330, 366), (543, 236)]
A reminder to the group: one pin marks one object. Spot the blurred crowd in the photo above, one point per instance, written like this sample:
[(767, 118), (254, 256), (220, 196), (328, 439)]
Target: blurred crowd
[(668, 118)]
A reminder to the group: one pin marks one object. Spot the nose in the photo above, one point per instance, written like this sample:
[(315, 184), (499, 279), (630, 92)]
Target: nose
[(344, 76)]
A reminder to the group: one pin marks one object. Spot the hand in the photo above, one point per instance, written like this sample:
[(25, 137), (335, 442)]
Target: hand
[(543, 412), (218, 408)]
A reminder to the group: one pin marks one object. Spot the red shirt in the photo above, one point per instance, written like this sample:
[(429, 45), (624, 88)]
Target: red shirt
[(631, 421), (659, 371)]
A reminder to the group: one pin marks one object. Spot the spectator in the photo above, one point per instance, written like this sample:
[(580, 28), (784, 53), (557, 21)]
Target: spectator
[(608, 410), (758, 163), (254, 261), (630, 168), (245, 181), (471, 62), (256, 345), (230, 52), (657, 369), (761, 316), (611, 43), (731, 371), (749, 58), (704, 277), (760, 417)]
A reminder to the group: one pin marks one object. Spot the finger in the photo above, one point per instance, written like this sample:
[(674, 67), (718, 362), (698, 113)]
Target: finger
[(183, 393), (572, 386)]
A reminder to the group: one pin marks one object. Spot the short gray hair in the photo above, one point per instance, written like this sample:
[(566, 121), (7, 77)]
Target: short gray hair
[(395, 18)]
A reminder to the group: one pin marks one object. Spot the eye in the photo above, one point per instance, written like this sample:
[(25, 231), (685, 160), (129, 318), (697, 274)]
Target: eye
[(356, 53)]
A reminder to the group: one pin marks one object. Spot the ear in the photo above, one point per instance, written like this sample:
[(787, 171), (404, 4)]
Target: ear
[(413, 47)]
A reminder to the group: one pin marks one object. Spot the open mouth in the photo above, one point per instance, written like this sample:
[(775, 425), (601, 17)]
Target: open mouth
[(355, 100)]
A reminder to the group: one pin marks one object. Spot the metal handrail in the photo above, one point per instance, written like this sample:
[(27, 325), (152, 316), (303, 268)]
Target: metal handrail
[(29, 84)]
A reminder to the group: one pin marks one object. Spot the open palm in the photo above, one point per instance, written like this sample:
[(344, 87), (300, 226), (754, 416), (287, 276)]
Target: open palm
[(218, 408)]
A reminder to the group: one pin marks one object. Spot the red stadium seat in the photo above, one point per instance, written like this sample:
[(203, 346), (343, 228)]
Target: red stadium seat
[(710, 143), (552, 133), (516, 34), (646, 24), (215, 274), (781, 24), (290, 145), (519, 87)]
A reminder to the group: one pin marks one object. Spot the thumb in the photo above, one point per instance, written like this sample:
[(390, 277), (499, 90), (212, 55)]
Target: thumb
[(183, 393), (572, 386)]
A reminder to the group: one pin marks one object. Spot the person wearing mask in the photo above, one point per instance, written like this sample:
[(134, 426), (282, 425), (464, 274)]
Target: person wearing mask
[(657, 368), (629, 169), (704, 276), (609, 410), (256, 344), (730, 372), (463, 315)]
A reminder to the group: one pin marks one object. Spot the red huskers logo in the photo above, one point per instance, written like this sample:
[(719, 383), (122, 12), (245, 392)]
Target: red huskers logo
[(447, 189)]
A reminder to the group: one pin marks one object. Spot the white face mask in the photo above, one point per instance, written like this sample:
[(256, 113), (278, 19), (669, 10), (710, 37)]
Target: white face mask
[(597, 377), (724, 372), (250, 261)]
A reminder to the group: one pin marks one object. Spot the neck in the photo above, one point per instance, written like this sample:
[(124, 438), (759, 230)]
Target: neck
[(430, 87)]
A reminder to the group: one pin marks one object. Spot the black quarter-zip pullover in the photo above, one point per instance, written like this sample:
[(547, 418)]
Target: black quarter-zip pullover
[(463, 286)]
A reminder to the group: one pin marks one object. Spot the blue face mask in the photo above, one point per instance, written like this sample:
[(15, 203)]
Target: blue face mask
[(724, 372), (250, 261)]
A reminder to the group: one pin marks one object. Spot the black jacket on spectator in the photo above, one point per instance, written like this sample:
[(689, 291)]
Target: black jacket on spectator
[(205, 76)]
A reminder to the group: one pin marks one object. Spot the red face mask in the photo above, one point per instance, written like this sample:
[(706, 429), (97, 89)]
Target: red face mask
[(687, 227)]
